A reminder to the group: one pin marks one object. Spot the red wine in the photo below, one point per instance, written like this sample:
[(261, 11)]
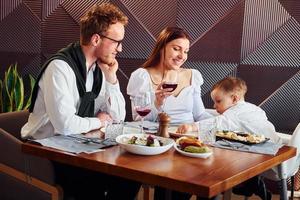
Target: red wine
[(170, 85), (143, 112)]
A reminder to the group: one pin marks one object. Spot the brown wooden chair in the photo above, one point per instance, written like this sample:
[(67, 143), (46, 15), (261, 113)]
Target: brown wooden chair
[(23, 176)]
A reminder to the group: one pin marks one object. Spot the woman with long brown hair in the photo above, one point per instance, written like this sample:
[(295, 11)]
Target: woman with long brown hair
[(163, 69), (173, 89)]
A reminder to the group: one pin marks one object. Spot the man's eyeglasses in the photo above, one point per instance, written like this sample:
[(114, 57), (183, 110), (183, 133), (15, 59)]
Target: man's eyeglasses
[(119, 42)]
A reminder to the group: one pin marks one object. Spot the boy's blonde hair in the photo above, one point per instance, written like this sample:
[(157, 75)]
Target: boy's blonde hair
[(98, 19), (232, 85)]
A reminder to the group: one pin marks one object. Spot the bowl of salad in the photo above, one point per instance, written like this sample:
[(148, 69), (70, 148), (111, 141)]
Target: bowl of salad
[(144, 144)]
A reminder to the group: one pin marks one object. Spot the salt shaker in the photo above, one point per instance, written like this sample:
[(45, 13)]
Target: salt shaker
[(164, 120)]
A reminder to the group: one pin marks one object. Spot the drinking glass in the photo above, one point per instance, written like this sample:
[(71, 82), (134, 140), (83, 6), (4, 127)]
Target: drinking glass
[(142, 105), (207, 131), (112, 130)]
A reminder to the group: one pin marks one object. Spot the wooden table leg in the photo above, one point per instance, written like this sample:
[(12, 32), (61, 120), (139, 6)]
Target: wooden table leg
[(227, 194), (146, 189)]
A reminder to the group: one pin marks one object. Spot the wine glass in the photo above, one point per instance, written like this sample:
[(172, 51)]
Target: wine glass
[(170, 81), (142, 105)]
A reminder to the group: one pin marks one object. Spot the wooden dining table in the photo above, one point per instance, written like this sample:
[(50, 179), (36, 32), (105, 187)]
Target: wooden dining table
[(203, 177)]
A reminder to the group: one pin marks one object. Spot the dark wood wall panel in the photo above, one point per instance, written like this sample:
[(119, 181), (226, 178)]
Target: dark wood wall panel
[(283, 106), (58, 22), (139, 40), (292, 7), (198, 16), (257, 40), (279, 49), (263, 81), (164, 13), (261, 19), (7, 7), (222, 42), (20, 31)]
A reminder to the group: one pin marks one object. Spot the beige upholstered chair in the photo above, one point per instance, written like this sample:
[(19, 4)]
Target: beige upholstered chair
[(23, 176), (290, 168)]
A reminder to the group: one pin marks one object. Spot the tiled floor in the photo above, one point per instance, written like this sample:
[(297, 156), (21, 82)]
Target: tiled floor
[(233, 197)]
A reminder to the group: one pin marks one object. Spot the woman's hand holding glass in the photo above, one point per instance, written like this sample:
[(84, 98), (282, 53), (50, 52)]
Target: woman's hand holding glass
[(161, 94), (166, 88), (142, 106)]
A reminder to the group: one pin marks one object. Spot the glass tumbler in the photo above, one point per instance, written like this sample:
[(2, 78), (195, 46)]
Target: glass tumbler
[(207, 131), (113, 130)]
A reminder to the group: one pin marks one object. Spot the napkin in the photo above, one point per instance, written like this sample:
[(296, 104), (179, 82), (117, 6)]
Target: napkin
[(262, 148), (76, 143), (147, 125)]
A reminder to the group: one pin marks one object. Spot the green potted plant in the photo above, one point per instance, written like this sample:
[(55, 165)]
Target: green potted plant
[(12, 96)]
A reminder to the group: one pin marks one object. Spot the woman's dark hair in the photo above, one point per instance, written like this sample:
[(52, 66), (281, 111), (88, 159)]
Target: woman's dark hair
[(167, 35)]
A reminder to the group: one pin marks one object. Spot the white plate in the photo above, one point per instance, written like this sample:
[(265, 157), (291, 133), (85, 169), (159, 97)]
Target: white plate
[(172, 131), (122, 140), (196, 155)]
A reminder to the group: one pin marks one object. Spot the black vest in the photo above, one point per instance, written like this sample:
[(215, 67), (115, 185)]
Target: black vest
[(75, 58)]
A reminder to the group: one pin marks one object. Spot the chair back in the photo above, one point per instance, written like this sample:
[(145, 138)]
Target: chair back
[(12, 122), (290, 166), (30, 177), (294, 163)]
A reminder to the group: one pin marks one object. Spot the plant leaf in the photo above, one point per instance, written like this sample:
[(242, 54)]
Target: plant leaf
[(32, 82), (9, 80), (6, 99), (19, 93)]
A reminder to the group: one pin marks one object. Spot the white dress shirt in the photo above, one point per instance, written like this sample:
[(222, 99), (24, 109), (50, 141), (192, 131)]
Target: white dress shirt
[(245, 117), (187, 107), (58, 102)]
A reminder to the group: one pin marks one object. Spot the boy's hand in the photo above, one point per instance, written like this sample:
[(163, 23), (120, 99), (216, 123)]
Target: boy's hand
[(184, 128)]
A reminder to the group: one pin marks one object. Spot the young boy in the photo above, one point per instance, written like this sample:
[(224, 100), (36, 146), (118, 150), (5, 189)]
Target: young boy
[(235, 114)]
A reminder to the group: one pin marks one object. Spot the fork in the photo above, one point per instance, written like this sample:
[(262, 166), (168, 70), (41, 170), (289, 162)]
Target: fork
[(85, 140), (235, 145)]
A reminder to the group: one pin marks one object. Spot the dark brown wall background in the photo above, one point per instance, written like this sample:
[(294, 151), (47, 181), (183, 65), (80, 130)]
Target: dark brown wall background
[(257, 40)]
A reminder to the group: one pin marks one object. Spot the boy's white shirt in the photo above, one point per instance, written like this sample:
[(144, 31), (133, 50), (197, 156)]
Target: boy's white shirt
[(245, 117)]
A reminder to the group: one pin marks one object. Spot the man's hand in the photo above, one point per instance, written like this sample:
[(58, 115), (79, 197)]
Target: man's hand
[(95, 134), (110, 71), (104, 118)]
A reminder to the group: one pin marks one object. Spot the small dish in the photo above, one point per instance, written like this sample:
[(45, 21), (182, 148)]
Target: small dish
[(195, 155), (172, 131), (123, 140)]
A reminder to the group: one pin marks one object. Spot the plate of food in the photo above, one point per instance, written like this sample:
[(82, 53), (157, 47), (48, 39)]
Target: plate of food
[(144, 144), (242, 137), (192, 147), (173, 132)]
